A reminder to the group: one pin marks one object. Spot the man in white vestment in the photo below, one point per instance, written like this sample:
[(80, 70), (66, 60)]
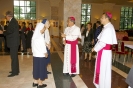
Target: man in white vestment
[(103, 64), (71, 52)]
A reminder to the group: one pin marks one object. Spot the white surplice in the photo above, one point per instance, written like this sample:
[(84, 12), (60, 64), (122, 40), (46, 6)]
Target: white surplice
[(72, 34), (107, 36)]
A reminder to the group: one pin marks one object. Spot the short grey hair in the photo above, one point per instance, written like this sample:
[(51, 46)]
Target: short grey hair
[(9, 13)]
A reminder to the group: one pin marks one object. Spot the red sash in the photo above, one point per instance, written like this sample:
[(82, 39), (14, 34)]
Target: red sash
[(73, 54), (107, 47)]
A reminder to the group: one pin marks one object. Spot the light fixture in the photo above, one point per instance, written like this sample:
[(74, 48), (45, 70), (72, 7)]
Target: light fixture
[(43, 16), (114, 18), (96, 17), (130, 1)]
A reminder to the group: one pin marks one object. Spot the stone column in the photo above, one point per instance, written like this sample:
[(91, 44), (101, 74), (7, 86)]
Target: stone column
[(68, 8), (72, 8)]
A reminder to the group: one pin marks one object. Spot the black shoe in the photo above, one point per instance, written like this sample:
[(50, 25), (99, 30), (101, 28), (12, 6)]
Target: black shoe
[(10, 72), (73, 75), (44, 85), (12, 75), (89, 61), (85, 60), (41, 86), (48, 72), (23, 51), (66, 74), (34, 84)]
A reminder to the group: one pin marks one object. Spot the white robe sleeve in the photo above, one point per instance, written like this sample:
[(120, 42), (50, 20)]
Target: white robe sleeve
[(47, 36), (99, 45)]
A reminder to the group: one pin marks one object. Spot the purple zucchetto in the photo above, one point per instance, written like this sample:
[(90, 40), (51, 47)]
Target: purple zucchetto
[(109, 14)]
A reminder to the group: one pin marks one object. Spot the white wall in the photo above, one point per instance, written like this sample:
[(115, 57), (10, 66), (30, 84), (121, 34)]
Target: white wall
[(98, 9), (5, 5), (96, 12), (116, 17), (43, 9)]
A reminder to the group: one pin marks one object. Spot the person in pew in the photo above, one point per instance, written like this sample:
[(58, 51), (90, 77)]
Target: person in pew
[(29, 33), (129, 79), (13, 42), (47, 40), (22, 35), (39, 56), (82, 30), (5, 28), (71, 52), (1, 38), (103, 64), (97, 31)]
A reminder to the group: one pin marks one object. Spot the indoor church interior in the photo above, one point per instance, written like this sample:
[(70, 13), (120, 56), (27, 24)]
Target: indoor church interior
[(58, 13)]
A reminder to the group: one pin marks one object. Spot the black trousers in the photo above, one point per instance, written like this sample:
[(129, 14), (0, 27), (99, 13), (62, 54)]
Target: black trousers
[(14, 59), (6, 48)]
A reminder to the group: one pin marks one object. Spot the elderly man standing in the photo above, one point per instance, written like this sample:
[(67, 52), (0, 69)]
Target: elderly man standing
[(103, 65), (71, 52), (13, 41)]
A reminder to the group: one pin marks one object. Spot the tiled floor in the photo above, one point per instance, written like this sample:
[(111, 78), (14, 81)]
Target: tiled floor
[(61, 81), (56, 79), (24, 79)]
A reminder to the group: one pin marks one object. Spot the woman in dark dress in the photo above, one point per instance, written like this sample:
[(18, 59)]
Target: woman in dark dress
[(22, 35), (82, 33), (88, 41), (29, 33)]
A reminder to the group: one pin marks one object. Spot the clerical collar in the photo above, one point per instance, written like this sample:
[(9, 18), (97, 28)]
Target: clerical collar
[(72, 26), (107, 24), (10, 19)]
